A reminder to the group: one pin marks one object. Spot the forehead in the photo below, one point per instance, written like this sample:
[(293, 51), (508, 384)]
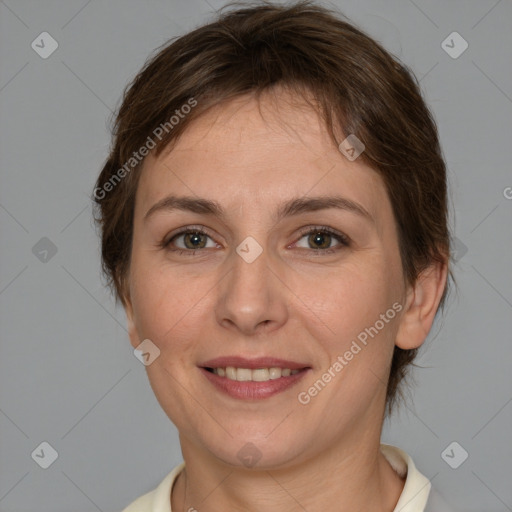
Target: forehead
[(276, 118), (262, 151)]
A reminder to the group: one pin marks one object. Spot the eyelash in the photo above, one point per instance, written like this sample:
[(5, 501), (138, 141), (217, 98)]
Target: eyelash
[(343, 239)]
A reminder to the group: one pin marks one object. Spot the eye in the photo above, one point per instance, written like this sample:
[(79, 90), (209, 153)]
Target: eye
[(319, 239), (192, 239)]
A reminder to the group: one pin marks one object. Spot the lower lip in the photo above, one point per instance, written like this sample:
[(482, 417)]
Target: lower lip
[(250, 390)]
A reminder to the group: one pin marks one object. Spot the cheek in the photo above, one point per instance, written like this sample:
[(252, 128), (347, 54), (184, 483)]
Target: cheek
[(167, 308), (358, 321), (355, 296)]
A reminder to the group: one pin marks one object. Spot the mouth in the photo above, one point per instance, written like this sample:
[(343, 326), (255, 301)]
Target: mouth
[(252, 379), (248, 375)]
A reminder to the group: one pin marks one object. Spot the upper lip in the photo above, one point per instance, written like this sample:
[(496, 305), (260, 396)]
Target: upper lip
[(255, 363)]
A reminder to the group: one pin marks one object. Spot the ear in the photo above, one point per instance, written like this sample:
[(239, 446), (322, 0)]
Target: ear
[(132, 329), (422, 301)]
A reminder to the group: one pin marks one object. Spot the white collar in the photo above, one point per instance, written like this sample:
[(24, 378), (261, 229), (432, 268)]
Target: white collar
[(417, 486)]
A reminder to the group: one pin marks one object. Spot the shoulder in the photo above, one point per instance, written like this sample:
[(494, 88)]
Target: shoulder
[(417, 486), (418, 495), (159, 499)]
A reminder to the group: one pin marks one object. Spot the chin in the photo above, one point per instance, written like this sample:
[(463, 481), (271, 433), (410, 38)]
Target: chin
[(258, 452)]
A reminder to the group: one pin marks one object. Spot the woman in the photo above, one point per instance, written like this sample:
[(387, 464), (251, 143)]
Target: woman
[(274, 222)]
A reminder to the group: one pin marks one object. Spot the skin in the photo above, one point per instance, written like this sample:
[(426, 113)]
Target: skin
[(291, 302)]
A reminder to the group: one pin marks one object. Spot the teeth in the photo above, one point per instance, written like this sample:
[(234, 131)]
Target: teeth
[(243, 374), (275, 373), (258, 375)]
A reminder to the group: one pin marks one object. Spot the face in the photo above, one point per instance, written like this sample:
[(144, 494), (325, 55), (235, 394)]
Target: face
[(258, 270)]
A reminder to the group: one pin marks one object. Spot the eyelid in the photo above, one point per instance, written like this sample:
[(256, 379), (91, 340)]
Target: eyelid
[(183, 231), (319, 228), (306, 230)]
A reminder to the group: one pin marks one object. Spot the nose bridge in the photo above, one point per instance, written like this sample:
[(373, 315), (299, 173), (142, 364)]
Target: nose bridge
[(251, 264), (250, 276), (250, 294)]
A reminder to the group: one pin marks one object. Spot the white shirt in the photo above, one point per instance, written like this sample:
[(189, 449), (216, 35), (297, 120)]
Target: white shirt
[(417, 495)]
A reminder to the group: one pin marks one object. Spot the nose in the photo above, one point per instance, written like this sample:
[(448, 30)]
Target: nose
[(252, 296)]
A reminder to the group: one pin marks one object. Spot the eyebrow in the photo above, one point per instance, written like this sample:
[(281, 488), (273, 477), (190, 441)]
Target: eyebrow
[(290, 208)]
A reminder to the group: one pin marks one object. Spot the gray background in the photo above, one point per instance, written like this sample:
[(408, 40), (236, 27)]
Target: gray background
[(68, 375)]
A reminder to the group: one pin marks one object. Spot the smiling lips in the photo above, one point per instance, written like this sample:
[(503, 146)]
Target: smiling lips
[(252, 378)]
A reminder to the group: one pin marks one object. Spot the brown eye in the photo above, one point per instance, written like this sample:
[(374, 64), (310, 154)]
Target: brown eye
[(188, 241), (194, 240), (320, 239)]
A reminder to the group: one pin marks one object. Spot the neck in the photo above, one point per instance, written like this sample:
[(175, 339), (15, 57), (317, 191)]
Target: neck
[(351, 478)]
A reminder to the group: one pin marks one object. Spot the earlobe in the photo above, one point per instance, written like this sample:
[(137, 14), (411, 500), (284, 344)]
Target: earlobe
[(423, 299)]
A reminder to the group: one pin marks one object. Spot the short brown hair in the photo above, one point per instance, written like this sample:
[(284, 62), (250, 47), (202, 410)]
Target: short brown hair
[(359, 89)]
